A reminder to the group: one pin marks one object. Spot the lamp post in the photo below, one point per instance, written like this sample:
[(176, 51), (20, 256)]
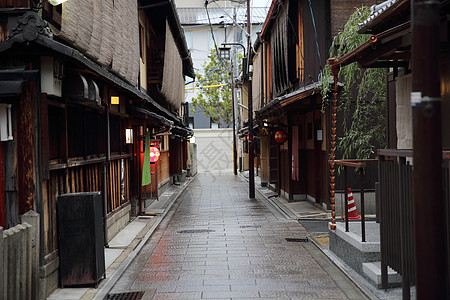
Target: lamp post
[(224, 53), (251, 171)]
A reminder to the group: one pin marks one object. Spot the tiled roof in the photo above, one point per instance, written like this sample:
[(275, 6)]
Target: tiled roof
[(191, 16), (377, 10)]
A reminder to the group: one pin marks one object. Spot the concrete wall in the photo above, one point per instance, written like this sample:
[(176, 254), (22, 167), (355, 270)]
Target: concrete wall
[(403, 88), (214, 149), (369, 203), (118, 221)]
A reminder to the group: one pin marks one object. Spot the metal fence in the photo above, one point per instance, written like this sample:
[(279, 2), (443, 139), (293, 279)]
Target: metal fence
[(396, 217)]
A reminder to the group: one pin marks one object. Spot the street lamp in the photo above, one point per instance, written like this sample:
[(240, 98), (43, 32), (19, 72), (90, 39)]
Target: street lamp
[(224, 53)]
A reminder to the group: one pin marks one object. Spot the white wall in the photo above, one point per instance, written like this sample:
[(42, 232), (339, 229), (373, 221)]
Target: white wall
[(214, 149)]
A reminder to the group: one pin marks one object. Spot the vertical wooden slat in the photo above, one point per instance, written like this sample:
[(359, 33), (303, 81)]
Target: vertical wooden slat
[(300, 45)]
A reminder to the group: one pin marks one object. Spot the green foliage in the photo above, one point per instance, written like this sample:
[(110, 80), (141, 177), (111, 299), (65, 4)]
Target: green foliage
[(215, 102), (365, 128)]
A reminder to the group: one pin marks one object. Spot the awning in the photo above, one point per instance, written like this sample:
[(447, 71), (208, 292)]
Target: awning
[(386, 49), (181, 131), (153, 115), (277, 104), (12, 80)]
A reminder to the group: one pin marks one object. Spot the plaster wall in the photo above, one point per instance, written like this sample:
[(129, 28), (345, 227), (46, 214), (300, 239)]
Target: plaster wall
[(214, 149), (403, 87)]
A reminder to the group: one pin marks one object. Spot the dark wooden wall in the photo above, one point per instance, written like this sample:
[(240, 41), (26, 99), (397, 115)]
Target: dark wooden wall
[(321, 13)]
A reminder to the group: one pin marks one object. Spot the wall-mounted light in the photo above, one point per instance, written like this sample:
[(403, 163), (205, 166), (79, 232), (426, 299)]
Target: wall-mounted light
[(115, 100), (5, 122), (56, 2), (319, 134), (129, 136)]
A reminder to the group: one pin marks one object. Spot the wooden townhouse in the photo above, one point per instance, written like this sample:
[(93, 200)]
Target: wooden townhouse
[(287, 67), (81, 85), (414, 215)]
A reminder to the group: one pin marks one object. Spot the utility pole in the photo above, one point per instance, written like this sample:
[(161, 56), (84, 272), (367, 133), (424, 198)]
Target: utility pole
[(233, 95), (429, 201), (251, 171)]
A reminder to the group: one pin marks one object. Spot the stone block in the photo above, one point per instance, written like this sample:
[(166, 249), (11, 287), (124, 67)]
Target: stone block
[(32, 218), (22, 260), (48, 278), (118, 221), (372, 271), (12, 284), (28, 260), (353, 253)]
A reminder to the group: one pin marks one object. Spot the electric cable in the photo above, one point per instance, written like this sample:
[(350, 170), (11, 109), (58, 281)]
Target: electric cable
[(210, 25), (315, 34)]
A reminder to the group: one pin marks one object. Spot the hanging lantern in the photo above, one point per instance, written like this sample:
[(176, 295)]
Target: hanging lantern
[(154, 154), (281, 137)]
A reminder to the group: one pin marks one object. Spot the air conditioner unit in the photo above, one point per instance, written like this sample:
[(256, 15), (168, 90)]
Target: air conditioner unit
[(52, 72)]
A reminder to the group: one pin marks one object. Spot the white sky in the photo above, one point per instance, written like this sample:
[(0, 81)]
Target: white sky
[(261, 3)]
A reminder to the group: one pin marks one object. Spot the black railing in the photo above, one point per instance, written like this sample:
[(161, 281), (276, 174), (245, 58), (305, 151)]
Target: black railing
[(396, 217), (360, 164)]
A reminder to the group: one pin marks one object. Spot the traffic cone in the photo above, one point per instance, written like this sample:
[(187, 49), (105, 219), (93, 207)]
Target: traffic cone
[(352, 213)]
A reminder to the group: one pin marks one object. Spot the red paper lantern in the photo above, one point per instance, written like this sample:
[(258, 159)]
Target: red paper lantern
[(154, 154), (281, 137)]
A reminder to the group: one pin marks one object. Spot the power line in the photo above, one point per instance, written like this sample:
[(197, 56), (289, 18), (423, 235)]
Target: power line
[(315, 34), (210, 25)]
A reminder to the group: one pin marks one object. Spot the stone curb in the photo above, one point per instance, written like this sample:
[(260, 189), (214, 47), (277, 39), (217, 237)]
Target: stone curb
[(341, 266)]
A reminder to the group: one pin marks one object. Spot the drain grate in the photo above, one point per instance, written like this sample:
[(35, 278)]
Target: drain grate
[(126, 296), (297, 240), (250, 226), (196, 231)]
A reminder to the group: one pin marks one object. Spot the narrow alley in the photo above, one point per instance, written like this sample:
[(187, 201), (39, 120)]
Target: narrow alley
[(215, 243)]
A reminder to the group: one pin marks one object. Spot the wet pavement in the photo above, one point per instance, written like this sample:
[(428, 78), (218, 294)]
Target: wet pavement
[(215, 243)]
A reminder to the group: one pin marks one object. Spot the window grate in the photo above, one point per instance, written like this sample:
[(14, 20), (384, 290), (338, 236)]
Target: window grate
[(297, 240)]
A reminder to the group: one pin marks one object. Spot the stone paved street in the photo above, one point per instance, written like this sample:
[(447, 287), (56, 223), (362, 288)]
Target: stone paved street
[(215, 243)]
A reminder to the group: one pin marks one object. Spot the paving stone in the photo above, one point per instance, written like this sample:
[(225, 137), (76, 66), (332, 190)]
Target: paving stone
[(230, 294), (183, 296), (245, 255)]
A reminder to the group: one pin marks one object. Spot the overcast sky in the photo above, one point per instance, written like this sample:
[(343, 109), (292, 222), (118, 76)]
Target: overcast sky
[(261, 3)]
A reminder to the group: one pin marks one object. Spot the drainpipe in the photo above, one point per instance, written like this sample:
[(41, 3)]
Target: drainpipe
[(429, 200)]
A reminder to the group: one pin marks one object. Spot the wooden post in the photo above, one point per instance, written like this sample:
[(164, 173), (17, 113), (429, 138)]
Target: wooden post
[(2, 267), (2, 191), (429, 201), (25, 150)]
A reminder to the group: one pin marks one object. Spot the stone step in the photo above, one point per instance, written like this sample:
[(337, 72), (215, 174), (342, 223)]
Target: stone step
[(372, 271)]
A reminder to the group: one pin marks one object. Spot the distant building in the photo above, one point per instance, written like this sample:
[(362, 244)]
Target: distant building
[(194, 20)]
